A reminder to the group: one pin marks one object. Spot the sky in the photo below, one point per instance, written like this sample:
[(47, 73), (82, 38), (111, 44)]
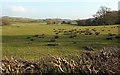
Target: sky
[(65, 9)]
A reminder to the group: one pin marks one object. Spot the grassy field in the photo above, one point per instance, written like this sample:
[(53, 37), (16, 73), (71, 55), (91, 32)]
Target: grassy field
[(21, 40)]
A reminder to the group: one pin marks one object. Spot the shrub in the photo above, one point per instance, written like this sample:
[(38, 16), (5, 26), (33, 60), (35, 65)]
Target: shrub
[(6, 22), (102, 62), (97, 33)]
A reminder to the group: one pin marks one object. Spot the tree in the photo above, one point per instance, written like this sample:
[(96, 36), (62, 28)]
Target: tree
[(101, 12), (6, 21), (49, 21), (118, 12), (80, 22), (111, 18), (100, 15), (118, 16)]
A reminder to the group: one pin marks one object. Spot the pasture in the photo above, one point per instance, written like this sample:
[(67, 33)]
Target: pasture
[(34, 40)]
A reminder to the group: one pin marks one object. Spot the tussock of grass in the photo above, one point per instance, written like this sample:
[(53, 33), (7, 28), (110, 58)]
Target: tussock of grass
[(16, 42)]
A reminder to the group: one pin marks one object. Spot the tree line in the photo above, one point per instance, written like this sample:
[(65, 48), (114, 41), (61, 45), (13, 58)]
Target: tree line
[(104, 16)]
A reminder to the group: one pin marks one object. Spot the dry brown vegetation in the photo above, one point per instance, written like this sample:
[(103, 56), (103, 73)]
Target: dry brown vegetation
[(105, 61)]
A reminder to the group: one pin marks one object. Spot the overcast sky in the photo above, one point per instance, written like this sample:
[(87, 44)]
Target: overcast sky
[(66, 9)]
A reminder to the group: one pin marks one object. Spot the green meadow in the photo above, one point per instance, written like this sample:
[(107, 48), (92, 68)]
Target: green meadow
[(30, 40)]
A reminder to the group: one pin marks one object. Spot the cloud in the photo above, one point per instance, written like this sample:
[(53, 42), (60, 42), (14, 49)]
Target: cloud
[(18, 9)]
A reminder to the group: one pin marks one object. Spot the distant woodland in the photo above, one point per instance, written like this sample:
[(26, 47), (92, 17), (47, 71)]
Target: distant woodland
[(104, 16)]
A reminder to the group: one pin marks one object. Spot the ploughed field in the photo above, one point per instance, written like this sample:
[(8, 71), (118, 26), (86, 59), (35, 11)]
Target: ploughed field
[(34, 40)]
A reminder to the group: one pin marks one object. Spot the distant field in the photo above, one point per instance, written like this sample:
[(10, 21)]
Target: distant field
[(30, 41)]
